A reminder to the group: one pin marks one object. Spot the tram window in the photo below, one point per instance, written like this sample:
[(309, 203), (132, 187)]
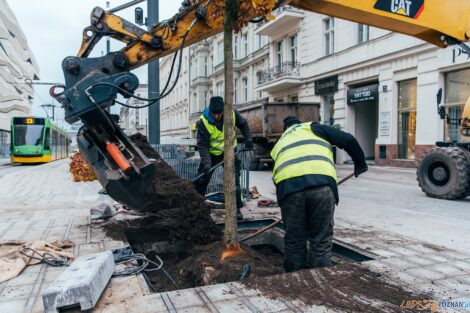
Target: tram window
[(47, 140)]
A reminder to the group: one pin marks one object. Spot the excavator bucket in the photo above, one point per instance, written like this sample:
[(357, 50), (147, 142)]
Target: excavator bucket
[(120, 166)]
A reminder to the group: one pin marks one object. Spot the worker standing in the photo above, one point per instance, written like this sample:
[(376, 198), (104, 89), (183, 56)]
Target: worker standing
[(210, 142), (306, 187)]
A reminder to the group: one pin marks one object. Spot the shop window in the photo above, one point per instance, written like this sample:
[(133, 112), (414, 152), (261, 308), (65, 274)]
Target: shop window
[(407, 91), (456, 93)]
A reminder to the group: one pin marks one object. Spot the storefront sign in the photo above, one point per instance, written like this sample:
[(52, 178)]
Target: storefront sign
[(367, 94), (326, 86), (384, 123)]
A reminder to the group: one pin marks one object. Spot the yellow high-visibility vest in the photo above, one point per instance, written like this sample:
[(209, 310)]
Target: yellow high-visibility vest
[(300, 152), (216, 144)]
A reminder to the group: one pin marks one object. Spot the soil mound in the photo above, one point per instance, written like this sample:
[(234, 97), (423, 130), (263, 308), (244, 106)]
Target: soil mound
[(344, 287), (203, 267), (179, 209)]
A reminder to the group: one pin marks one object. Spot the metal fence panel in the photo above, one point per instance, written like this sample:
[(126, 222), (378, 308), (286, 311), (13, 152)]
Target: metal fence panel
[(185, 163)]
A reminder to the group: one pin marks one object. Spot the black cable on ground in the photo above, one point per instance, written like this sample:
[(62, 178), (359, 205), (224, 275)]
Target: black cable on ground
[(140, 264), (45, 258)]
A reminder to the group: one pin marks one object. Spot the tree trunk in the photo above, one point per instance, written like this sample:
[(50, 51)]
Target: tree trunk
[(230, 234)]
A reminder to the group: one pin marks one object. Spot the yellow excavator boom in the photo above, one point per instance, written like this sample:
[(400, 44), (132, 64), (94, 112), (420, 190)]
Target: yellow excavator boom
[(435, 21)]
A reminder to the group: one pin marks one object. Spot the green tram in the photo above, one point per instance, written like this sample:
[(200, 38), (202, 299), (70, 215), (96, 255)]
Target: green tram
[(37, 140)]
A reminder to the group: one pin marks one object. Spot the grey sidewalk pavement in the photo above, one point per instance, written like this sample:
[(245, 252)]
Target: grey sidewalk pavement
[(42, 203)]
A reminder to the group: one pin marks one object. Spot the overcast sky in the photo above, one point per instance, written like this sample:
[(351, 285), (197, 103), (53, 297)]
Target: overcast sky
[(54, 30)]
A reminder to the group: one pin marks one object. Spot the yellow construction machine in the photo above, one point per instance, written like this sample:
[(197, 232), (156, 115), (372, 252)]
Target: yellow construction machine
[(93, 84)]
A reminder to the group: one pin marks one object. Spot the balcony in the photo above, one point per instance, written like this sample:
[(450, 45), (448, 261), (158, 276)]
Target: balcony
[(287, 17), (201, 80), (285, 75)]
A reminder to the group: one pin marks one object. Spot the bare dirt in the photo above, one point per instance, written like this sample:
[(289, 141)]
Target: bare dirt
[(202, 266), (181, 214), (344, 287)]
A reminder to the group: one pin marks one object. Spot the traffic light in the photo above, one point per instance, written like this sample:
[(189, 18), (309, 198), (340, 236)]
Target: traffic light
[(139, 16)]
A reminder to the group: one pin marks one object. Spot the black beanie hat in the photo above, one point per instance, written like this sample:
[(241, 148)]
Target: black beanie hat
[(216, 105), (289, 121)]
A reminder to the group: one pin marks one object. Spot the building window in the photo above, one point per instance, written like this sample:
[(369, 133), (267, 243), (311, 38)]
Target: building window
[(206, 67), (407, 91), (260, 41), (329, 110), (279, 53), (245, 89), (245, 44), (456, 94), (329, 35), (362, 33), (294, 99), (293, 49), (220, 89), (235, 47), (206, 101), (220, 52), (259, 77), (235, 91)]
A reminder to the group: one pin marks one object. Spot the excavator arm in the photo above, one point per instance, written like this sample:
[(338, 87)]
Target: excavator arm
[(93, 84)]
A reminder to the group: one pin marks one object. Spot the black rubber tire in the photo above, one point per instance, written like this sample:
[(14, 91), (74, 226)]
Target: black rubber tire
[(454, 169)]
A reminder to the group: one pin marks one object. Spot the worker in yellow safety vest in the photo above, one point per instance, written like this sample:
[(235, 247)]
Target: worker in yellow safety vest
[(210, 141), (306, 185)]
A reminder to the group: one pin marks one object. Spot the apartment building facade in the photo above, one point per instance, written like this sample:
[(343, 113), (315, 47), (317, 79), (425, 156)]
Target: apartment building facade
[(134, 120), (378, 85), (18, 68)]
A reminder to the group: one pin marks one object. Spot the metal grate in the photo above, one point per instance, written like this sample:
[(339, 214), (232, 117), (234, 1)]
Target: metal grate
[(185, 161)]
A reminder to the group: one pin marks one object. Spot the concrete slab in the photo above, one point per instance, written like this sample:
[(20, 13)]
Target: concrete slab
[(80, 284)]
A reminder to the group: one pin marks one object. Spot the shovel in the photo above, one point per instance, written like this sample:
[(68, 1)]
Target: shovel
[(262, 230)]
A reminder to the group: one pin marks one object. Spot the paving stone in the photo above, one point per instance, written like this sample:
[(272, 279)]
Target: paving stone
[(400, 263), (81, 283), (377, 265), (185, 298), (268, 305), (405, 277), (11, 293), (402, 251), (146, 304), (234, 305), (418, 259), (454, 286), (426, 273), (13, 306), (219, 293), (465, 265), (384, 253), (447, 269), (436, 258)]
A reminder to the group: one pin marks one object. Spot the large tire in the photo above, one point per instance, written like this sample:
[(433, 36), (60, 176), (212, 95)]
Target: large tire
[(444, 173)]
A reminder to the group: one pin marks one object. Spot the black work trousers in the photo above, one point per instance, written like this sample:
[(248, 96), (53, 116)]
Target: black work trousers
[(308, 215), (202, 183)]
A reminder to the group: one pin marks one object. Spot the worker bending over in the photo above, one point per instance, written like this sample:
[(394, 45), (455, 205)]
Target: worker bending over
[(210, 142), (306, 187)]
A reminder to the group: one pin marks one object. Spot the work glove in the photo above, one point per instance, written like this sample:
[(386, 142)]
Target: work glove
[(360, 169), (249, 145)]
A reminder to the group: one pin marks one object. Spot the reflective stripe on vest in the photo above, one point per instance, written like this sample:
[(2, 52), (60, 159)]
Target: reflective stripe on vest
[(216, 142), (300, 152)]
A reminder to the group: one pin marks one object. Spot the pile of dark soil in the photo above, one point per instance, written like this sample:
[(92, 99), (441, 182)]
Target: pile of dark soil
[(179, 210), (181, 214), (203, 267), (344, 287)]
